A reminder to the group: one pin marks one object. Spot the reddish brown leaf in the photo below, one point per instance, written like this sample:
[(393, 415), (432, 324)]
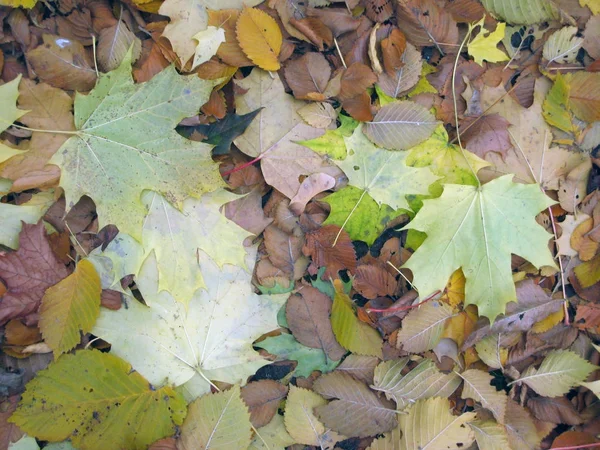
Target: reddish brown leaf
[(216, 105), (64, 66), (247, 212), (285, 251), (572, 439), (9, 432), (379, 10), (151, 62), (111, 299), (425, 23), (263, 398), (17, 333), (486, 134), (374, 281), (308, 76), (28, 272), (588, 316), (392, 49), (466, 11), (355, 81), (359, 107), (320, 247), (315, 30), (307, 312)]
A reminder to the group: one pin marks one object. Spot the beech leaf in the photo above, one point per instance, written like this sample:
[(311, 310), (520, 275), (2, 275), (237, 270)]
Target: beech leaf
[(301, 422), (209, 41), (474, 234), (424, 381), (522, 12), (71, 305), (400, 125), (64, 401), (259, 37), (263, 398), (562, 46), (559, 372), (429, 424), (478, 387), (422, 328), (355, 410), (217, 421), (489, 435)]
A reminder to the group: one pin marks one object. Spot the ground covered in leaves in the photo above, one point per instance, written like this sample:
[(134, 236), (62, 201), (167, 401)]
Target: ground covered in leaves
[(288, 224)]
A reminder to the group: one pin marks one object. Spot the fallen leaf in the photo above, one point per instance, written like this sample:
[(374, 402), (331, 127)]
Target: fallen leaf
[(398, 81), (477, 386), (479, 210), (218, 420), (187, 344), (71, 305), (422, 382), (422, 328), (330, 247), (209, 41), (14, 216), (489, 435), (355, 81), (28, 272), (354, 410), (584, 95), (307, 312), (62, 63), (114, 43), (484, 45), (521, 11), (9, 92), (229, 51), (562, 46), (69, 397), (350, 332), (360, 367), (487, 133), (301, 422), (400, 125), (259, 37), (308, 76), (312, 185), (425, 23), (554, 410), (318, 114), (263, 398), (111, 144)]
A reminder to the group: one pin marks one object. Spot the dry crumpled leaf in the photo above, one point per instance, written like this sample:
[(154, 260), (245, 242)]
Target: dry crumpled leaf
[(320, 247), (63, 63), (28, 272), (307, 312)]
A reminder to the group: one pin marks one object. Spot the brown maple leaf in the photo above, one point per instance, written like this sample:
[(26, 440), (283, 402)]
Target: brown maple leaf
[(28, 272), (320, 247)]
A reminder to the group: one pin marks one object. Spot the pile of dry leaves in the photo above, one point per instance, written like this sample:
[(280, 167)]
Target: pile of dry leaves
[(287, 224)]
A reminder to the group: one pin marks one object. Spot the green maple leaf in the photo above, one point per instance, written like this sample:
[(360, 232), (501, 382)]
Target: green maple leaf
[(332, 142), (477, 229), (126, 142), (368, 219), (446, 160), (381, 173)]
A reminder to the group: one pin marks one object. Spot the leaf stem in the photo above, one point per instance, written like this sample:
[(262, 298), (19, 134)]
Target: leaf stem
[(462, 44), (243, 166), (394, 309), (39, 130)]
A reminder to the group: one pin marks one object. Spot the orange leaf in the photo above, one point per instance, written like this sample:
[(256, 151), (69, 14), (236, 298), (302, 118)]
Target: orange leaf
[(260, 38)]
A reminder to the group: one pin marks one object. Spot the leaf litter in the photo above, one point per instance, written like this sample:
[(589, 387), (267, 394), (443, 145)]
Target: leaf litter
[(202, 246)]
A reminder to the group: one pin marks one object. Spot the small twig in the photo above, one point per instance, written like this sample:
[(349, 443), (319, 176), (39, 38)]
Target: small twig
[(340, 53), (395, 309)]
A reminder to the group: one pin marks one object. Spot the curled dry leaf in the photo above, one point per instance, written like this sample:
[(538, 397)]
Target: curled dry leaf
[(399, 78), (330, 247)]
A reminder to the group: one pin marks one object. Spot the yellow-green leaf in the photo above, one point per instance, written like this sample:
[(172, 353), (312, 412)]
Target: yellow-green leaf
[(556, 105), (594, 5), (219, 421), (71, 305), (18, 3), (99, 402), (468, 227), (9, 92), (484, 45), (559, 372), (351, 333), (260, 38)]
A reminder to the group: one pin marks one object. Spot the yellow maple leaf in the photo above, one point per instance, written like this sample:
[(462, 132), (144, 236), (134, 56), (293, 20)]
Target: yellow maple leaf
[(483, 46), (260, 38)]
